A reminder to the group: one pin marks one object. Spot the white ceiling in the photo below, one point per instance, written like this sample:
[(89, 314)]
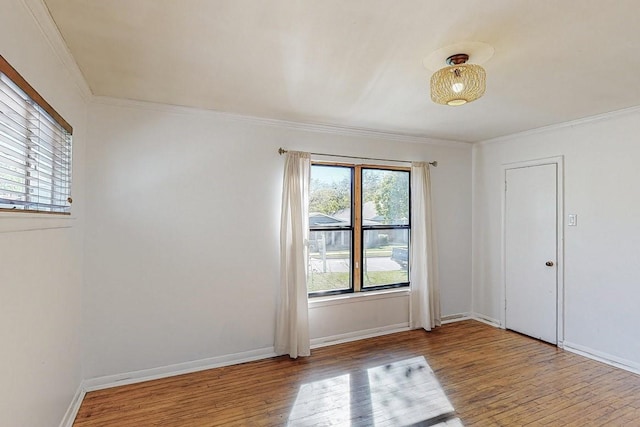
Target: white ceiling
[(358, 63)]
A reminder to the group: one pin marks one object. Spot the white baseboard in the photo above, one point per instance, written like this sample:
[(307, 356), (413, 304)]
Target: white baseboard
[(116, 380), (459, 317), (600, 356), (359, 335), (486, 319), (109, 381), (74, 406)]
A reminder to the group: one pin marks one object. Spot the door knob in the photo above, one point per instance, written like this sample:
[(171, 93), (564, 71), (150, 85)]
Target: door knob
[(549, 263)]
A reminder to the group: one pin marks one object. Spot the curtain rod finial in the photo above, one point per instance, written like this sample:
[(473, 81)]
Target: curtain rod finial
[(281, 151), (434, 163)]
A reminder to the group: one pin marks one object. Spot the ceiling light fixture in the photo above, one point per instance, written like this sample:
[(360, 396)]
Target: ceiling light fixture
[(458, 83)]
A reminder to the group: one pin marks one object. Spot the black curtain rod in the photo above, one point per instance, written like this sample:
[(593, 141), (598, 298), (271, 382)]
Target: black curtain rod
[(281, 151)]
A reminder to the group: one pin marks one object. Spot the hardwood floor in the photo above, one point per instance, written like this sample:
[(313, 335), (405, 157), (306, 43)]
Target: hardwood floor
[(464, 373)]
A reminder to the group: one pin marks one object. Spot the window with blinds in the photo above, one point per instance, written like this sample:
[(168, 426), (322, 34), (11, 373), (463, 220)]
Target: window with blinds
[(35, 149)]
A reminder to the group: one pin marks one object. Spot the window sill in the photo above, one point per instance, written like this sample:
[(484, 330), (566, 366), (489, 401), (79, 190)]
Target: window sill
[(17, 221), (358, 297)]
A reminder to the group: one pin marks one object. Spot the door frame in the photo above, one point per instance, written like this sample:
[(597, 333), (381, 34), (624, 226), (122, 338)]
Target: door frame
[(559, 162)]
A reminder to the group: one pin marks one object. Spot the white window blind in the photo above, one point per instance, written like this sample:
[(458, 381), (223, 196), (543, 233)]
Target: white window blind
[(35, 153)]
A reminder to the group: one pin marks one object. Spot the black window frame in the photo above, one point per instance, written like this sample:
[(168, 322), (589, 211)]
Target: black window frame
[(356, 228)]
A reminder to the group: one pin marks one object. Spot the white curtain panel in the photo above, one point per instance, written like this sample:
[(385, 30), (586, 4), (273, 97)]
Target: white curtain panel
[(425, 289), (292, 322)]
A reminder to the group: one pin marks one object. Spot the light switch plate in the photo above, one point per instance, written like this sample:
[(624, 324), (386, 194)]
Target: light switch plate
[(573, 220)]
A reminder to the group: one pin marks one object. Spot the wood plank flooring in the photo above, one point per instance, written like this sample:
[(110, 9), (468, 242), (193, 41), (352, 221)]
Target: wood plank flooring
[(464, 373)]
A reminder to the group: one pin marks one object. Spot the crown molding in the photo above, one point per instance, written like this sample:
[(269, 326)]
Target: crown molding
[(283, 124), (559, 126), (50, 30)]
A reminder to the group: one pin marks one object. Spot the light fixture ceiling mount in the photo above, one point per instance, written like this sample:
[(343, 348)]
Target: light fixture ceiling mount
[(457, 59)]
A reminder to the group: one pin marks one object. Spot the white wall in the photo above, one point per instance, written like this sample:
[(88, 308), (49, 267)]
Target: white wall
[(357, 315), (182, 234), (602, 255), (41, 256)]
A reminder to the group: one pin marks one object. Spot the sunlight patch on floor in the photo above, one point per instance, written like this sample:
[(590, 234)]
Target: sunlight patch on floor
[(403, 393), (321, 401)]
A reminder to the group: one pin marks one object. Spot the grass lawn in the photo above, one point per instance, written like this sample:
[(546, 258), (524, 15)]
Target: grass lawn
[(332, 281)]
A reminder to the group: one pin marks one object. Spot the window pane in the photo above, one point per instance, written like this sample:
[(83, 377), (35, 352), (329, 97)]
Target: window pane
[(35, 153), (330, 196), (385, 197), (386, 257), (329, 260)]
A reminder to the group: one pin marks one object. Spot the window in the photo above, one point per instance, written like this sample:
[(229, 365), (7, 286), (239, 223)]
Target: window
[(35, 149), (359, 228)]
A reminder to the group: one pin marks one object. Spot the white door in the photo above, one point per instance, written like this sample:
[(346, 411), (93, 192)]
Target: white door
[(531, 251)]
